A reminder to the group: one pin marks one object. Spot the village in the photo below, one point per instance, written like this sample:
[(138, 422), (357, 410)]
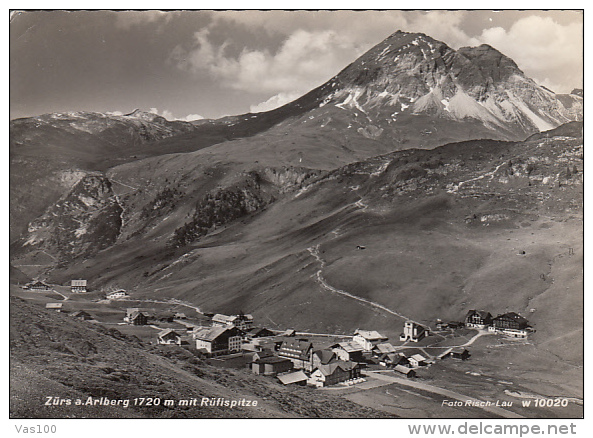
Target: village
[(291, 356)]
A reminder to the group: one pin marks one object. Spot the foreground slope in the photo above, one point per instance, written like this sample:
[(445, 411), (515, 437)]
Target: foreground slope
[(56, 355)]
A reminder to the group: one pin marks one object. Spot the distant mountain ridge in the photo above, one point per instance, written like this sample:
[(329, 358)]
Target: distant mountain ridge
[(409, 91)]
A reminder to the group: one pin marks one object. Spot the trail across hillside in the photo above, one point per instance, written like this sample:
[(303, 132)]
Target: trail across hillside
[(314, 251)]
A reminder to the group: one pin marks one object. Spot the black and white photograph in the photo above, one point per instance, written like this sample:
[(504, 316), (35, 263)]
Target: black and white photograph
[(297, 214)]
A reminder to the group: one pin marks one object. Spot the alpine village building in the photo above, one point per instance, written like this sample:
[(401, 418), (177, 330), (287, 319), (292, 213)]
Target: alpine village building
[(478, 319), (218, 340), (299, 352), (78, 286), (511, 324)]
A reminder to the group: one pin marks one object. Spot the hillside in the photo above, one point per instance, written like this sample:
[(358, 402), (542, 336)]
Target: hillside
[(55, 355), (409, 91), (440, 228)]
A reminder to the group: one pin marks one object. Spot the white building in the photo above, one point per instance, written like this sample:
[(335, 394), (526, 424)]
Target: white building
[(367, 339)]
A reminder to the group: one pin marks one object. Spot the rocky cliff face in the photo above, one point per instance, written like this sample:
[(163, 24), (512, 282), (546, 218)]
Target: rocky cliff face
[(85, 221)]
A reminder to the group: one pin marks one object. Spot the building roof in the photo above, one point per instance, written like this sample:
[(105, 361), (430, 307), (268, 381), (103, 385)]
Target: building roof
[(295, 377), (53, 305), (349, 347), (219, 317), (255, 355), (385, 348), (117, 292), (325, 356), (301, 345), (513, 316), (402, 369), (232, 319), (259, 332), (208, 333), (272, 360), (81, 313), (418, 358), (459, 350), (481, 313), (37, 283), (394, 357), (78, 283), (330, 368), (135, 314), (371, 335), (211, 333), (166, 332)]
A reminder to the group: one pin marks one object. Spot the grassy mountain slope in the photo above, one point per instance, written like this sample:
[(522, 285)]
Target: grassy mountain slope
[(478, 224), (55, 355)]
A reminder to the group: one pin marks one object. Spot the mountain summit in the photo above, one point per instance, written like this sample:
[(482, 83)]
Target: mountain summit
[(411, 74)]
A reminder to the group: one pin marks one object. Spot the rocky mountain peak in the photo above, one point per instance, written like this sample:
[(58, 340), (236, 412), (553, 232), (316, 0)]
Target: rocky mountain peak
[(414, 74)]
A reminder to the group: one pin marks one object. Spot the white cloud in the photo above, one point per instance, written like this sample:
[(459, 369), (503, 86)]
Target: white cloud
[(169, 115), (316, 46), (191, 117), (304, 60), (274, 102)]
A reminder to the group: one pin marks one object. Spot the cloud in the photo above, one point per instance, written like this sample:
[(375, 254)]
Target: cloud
[(548, 51), (169, 115), (315, 46), (274, 102), (304, 60), (191, 117)]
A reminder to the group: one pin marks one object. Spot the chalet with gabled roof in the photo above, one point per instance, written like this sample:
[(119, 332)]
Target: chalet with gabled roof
[(169, 337), (383, 348), (38, 286), (323, 357), (218, 340), (333, 373), (348, 351), (81, 314), (299, 351), (408, 372), (511, 324), (478, 319), (116, 295), (258, 332), (241, 321), (367, 339), (393, 359), (138, 318), (417, 360)]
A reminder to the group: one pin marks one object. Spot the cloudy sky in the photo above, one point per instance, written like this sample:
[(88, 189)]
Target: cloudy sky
[(194, 64)]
